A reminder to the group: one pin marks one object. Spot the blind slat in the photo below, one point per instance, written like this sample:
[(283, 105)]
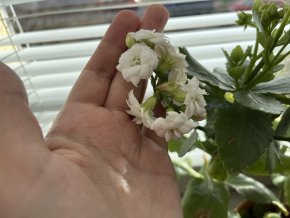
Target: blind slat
[(185, 38), (86, 32), (16, 2)]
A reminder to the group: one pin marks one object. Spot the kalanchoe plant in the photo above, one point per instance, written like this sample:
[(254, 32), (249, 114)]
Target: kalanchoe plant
[(246, 106), (248, 121)]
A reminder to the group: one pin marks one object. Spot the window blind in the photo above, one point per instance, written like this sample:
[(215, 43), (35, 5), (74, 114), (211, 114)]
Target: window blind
[(50, 60)]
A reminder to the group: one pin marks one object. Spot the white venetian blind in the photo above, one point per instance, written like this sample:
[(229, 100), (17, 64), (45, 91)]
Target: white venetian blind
[(49, 56)]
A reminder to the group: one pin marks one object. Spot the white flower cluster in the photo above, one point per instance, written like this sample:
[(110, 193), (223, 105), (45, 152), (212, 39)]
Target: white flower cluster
[(150, 55)]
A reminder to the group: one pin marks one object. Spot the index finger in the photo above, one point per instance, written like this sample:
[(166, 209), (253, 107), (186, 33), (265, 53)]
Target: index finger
[(94, 82)]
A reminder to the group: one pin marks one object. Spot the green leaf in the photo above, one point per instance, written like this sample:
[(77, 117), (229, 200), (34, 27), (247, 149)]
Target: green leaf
[(242, 136), (283, 128), (216, 169), (257, 20), (284, 39), (208, 146), (277, 68), (279, 85), (287, 190), (219, 78), (205, 198), (272, 157), (259, 102), (261, 38), (188, 144), (251, 189)]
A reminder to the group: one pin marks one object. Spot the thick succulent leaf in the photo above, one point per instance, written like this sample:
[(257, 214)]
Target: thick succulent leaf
[(279, 85), (257, 20), (259, 102), (272, 157), (251, 189), (219, 78), (242, 136), (283, 128), (205, 198), (188, 144)]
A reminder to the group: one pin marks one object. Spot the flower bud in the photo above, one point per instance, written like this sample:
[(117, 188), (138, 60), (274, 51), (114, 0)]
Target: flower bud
[(265, 18), (149, 104), (273, 11), (147, 111), (244, 19), (236, 72), (229, 97), (257, 5), (130, 41), (173, 89), (237, 54)]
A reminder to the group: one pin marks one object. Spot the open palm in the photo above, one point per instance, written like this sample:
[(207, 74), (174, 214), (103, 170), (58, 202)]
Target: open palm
[(95, 162)]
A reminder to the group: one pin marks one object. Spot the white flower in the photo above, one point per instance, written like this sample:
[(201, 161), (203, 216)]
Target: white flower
[(194, 100), (170, 56), (149, 35), (142, 113), (135, 107), (173, 126), (137, 63), (177, 75)]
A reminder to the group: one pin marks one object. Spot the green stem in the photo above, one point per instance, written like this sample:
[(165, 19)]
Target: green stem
[(253, 60), (251, 80), (184, 166), (280, 29), (281, 50), (254, 76)]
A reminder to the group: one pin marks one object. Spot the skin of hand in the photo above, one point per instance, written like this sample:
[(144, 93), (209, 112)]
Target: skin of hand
[(95, 162)]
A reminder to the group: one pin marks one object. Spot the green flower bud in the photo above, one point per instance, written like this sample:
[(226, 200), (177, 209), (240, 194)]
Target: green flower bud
[(236, 72), (257, 5), (265, 18), (130, 41), (273, 11), (237, 54), (175, 90), (244, 19), (163, 69), (229, 97), (150, 103)]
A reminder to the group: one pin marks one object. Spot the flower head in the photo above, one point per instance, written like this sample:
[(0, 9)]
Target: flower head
[(148, 37), (177, 75), (173, 126), (170, 59), (194, 100), (137, 63)]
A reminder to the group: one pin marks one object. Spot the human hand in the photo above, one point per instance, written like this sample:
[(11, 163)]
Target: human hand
[(95, 162)]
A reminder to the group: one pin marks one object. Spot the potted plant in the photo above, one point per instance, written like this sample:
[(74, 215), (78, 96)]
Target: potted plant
[(246, 106), (247, 128)]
